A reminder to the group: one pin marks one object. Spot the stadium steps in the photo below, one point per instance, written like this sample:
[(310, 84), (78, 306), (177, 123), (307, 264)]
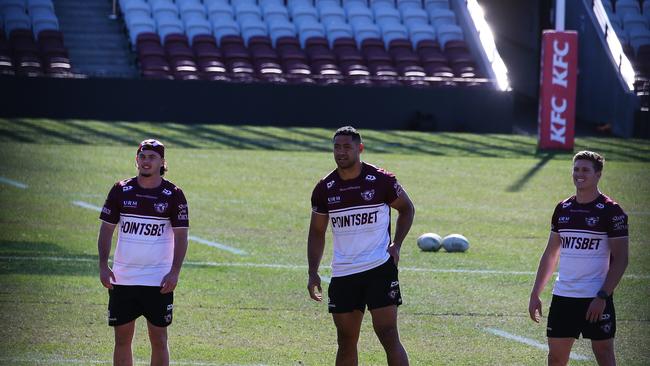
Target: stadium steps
[(96, 44)]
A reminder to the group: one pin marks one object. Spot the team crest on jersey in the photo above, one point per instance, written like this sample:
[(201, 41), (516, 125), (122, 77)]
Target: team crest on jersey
[(600, 205), (330, 184), (371, 178), (126, 188), (566, 204), (160, 207), (167, 192), (592, 221), (368, 195)]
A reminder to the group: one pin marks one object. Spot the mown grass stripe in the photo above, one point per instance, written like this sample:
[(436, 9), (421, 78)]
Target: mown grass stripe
[(531, 342), (298, 266)]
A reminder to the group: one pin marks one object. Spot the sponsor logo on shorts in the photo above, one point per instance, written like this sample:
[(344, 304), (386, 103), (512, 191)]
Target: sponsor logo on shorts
[(592, 220), (170, 307), (368, 195), (605, 317), (607, 328), (371, 178), (166, 192), (127, 188), (168, 318), (160, 207), (394, 284)]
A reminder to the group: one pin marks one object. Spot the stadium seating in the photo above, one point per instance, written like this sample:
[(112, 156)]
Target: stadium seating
[(30, 41), (376, 42)]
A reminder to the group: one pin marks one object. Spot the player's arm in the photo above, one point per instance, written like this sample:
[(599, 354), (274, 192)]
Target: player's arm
[(104, 241), (315, 248), (405, 215), (547, 265), (170, 280), (617, 266)]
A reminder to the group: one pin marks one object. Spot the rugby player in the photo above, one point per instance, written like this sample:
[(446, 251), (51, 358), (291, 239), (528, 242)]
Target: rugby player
[(357, 198), (151, 217), (589, 237)]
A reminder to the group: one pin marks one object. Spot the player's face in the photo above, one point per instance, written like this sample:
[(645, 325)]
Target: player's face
[(346, 151), (584, 175), (148, 163)]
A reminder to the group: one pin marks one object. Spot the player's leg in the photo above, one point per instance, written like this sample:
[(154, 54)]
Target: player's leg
[(604, 352), (158, 309), (559, 350), (123, 310), (348, 327), (384, 321), (122, 355), (383, 296), (159, 349)]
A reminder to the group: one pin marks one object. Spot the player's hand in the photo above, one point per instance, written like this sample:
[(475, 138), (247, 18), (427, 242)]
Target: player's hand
[(314, 288), (169, 282), (393, 250), (535, 308), (595, 310), (105, 275)]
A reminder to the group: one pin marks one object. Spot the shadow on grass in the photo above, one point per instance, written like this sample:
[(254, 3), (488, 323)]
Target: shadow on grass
[(521, 182), (43, 258)]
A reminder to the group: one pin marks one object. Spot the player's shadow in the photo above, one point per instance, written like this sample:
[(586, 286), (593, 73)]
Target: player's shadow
[(521, 182), (43, 258)]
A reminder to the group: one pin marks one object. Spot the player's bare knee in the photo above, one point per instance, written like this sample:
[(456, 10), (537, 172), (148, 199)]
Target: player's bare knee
[(556, 359), (388, 335)]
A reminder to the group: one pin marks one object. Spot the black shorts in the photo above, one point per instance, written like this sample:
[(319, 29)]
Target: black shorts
[(566, 319), (376, 288), (127, 303)]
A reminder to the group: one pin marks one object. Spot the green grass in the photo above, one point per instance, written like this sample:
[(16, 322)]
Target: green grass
[(249, 187)]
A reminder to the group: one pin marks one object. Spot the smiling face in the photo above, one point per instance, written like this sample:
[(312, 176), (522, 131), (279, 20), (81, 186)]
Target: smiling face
[(585, 176), (148, 163), (347, 152)]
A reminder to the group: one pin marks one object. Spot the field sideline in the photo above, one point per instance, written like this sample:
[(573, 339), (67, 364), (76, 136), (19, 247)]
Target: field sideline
[(248, 189)]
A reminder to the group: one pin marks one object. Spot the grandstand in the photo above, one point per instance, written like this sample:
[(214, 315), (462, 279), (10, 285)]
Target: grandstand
[(442, 49)]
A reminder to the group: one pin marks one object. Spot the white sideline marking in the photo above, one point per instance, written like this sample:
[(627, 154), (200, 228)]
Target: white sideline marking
[(286, 266), (59, 361), (191, 237), (87, 205), (12, 182), (217, 245), (326, 279), (531, 342)]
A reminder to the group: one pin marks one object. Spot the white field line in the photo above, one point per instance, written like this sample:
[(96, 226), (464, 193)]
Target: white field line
[(217, 245), (285, 266), (12, 182), (191, 237), (531, 342), (59, 361)]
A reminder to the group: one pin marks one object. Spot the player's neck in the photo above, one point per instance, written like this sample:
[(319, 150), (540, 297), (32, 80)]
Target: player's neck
[(587, 195), (351, 172), (149, 182)]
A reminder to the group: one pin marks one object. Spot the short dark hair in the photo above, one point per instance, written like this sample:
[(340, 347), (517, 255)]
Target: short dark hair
[(348, 131), (596, 159)]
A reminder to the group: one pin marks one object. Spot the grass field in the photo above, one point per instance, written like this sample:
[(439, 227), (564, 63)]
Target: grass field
[(249, 188)]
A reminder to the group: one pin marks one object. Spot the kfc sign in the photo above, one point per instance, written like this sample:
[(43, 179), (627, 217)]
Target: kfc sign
[(557, 95)]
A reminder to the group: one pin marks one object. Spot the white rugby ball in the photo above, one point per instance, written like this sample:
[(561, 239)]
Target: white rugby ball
[(430, 242), (455, 243)]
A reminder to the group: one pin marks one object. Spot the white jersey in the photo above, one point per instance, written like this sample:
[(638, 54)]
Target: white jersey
[(359, 214), (585, 230), (145, 220)]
